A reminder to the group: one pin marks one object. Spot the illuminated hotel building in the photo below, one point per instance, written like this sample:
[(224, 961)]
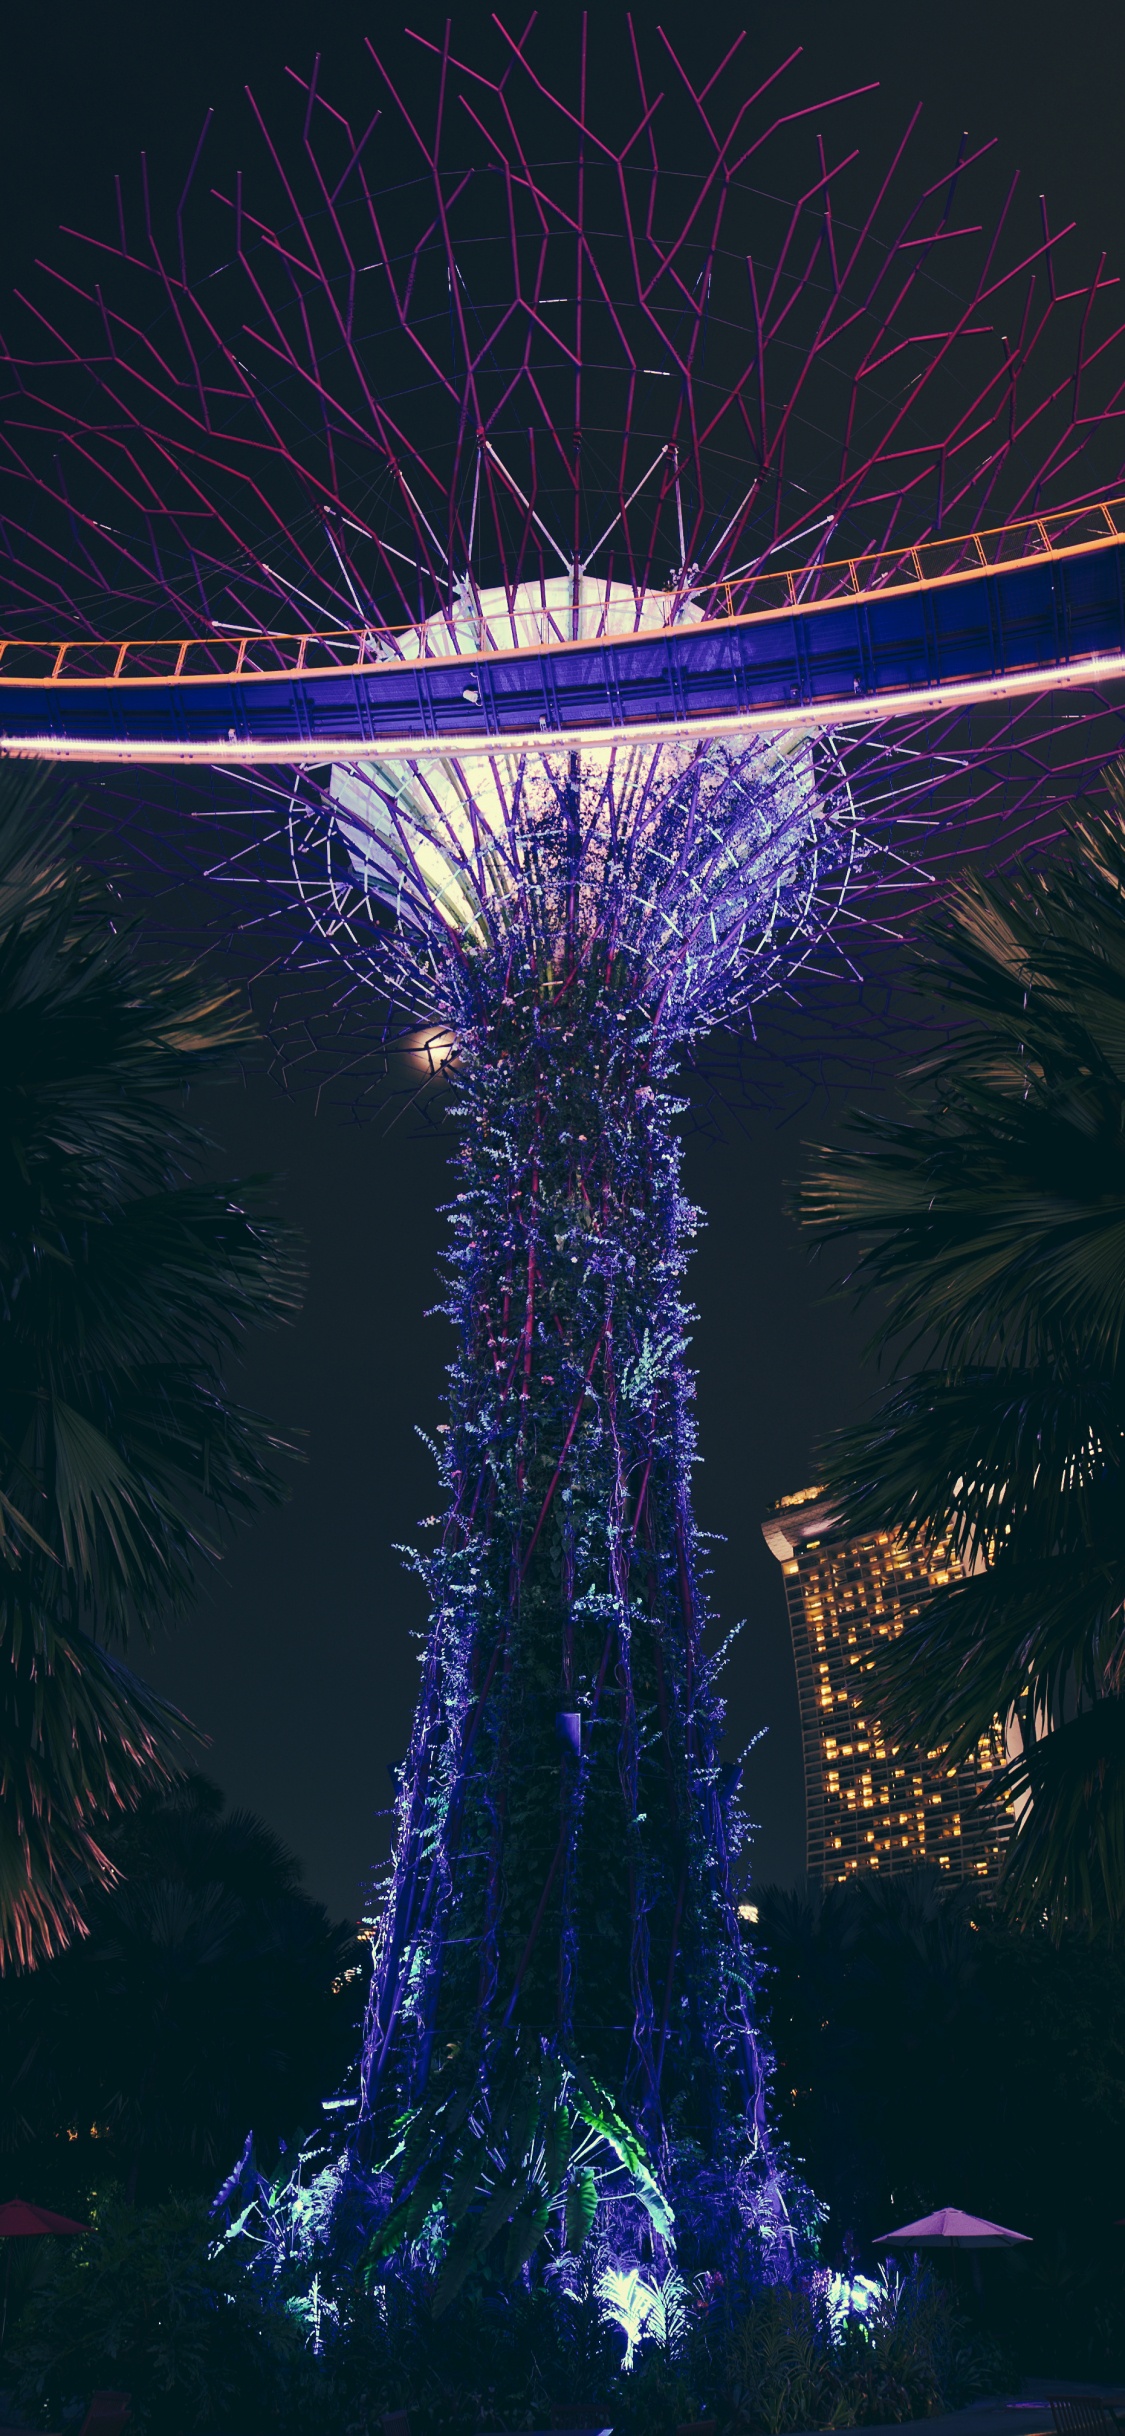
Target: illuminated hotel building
[(870, 1804)]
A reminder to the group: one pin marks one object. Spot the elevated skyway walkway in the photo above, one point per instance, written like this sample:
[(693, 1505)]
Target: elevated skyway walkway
[(1032, 607)]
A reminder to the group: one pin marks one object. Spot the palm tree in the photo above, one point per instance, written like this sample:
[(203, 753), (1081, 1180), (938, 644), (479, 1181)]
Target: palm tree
[(210, 1995), (991, 1222), (873, 1994), (123, 1286)]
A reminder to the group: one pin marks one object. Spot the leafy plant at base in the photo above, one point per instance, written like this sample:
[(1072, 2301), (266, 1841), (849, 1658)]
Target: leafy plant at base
[(546, 2142), (778, 2364), (644, 2311), (145, 2302), (787, 2365), (140, 2304)]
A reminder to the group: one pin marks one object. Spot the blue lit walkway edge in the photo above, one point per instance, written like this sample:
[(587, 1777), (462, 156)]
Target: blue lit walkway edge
[(1015, 630)]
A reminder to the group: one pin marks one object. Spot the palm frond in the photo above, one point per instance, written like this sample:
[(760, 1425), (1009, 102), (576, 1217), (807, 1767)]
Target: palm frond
[(124, 1286), (81, 1739), (987, 1459), (991, 1223), (994, 1222), (1066, 1862), (1017, 1636)]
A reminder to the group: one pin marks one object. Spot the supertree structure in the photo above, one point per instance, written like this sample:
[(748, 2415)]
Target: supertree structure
[(588, 577)]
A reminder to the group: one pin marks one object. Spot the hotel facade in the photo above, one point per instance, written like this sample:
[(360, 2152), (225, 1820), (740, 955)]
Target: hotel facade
[(871, 1804)]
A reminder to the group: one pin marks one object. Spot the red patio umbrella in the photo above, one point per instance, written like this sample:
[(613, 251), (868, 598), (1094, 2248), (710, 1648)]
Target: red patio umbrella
[(18, 2217), (19, 2221)]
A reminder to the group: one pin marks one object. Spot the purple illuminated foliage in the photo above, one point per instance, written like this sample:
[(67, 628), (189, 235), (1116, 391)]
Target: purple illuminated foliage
[(562, 1871), (559, 1942)]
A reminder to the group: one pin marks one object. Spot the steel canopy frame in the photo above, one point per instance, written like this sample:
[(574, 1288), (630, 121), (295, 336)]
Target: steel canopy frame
[(635, 361)]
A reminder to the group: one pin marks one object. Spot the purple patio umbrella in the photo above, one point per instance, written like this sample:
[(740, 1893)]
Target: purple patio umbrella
[(20, 2220), (951, 2229)]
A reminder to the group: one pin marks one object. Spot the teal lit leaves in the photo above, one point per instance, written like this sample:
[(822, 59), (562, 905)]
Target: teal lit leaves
[(601, 2116), (581, 2209), (489, 2176)]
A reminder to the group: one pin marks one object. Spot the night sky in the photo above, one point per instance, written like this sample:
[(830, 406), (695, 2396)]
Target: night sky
[(298, 1662)]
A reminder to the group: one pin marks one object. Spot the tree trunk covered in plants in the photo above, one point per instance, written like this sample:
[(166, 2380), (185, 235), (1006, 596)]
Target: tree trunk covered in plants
[(560, 2039), (562, 1863)]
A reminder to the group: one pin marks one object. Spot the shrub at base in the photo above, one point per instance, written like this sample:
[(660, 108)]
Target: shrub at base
[(143, 2303), (140, 2304)]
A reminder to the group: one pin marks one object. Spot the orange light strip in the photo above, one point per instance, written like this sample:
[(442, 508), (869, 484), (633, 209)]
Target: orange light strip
[(877, 576), (848, 710)]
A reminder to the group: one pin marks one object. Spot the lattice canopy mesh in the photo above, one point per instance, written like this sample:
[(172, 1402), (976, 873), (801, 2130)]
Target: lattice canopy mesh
[(474, 333), (499, 352)]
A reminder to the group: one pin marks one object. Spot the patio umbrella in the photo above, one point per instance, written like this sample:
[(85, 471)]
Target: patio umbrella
[(19, 2221), (18, 2218), (950, 2229)]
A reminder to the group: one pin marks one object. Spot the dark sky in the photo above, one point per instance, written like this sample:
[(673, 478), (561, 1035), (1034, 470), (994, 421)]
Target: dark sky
[(298, 1662)]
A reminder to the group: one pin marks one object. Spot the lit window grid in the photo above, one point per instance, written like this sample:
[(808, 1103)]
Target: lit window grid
[(871, 1805)]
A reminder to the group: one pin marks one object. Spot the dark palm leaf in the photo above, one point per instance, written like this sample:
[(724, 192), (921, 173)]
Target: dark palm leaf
[(81, 1739), (995, 1221), (123, 1288), (1020, 1475), (1068, 1860), (992, 1225)]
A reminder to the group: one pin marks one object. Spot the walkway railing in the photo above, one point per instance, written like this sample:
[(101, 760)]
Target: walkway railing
[(759, 592)]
